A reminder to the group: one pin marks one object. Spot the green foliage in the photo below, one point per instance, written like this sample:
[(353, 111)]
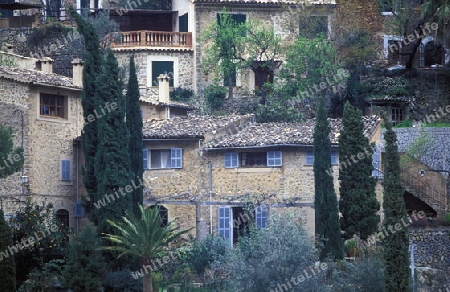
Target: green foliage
[(37, 221), (328, 233), (438, 11), (11, 159), (357, 203), (112, 157), (122, 281), (7, 61), (385, 86), (404, 124), (204, 252), (215, 95), (364, 274), (7, 264), (358, 49), (134, 126), (277, 111), (350, 246), (45, 278), (85, 265), (43, 35), (142, 237), (447, 218), (181, 94), (91, 69), (271, 256), (396, 245)]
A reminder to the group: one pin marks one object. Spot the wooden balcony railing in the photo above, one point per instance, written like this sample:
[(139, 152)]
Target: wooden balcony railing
[(155, 39)]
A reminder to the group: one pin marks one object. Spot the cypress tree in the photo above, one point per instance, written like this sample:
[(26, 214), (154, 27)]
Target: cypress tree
[(91, 69), (85, 267), (134, 125), (396, 243), (358, 203), (112, 159), (328, 232), (7, 263)]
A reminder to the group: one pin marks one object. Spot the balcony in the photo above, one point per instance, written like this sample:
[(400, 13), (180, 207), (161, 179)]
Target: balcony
[(146, 38)]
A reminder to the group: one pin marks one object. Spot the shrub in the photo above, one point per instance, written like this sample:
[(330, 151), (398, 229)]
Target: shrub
[(270, 257), (404, 124), (350, 247), (122, 281), (215, 95), (447, 220), (181, 94)]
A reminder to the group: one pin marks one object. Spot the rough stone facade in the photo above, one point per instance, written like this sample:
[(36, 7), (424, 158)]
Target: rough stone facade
[(46, 140)]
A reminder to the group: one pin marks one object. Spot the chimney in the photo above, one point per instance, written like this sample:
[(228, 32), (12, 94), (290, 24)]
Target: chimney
[(9, 49), (45, 65), (163, 81), (77, 72)]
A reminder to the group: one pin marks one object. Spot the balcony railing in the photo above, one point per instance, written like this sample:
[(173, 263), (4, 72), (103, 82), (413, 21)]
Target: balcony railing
[(146, 38)]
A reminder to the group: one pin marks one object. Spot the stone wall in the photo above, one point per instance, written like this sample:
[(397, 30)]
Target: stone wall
[(183, 60), (431, 258), (46, 141)]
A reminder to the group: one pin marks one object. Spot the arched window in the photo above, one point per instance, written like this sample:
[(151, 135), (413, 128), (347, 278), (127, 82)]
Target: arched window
[(163, 214)]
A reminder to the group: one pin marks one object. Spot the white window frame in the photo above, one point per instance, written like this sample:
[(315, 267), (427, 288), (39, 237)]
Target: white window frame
[(175, 76), (274, 158), (386, 39), (66, 171), (309, 156), (176, 158), (225, 223), (231, 160)]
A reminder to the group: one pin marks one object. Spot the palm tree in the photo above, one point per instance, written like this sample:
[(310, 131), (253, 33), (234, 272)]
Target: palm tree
[(143, 237)]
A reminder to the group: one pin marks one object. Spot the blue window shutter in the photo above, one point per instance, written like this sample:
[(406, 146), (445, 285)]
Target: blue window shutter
[(334, 156), (65, 170), (376, 161), (231, 160), (274, 158), (78, 210), (176, 158), (261, 216), (309, 156), (225, 226), (145, 158)]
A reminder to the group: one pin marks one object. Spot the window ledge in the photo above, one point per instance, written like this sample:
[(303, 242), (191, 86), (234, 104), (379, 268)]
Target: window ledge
[(53, 119), (256, 169), (386, 13), (65, 183), (162, 169)]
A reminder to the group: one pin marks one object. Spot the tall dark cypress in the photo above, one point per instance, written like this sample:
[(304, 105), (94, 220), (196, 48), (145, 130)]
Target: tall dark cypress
[(112, 159), (396, 243), (358, 202), (7, 264), (328, 232), (91, 69), (134, 125)]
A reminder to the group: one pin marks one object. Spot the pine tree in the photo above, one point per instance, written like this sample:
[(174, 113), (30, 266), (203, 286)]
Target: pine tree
[(112, 159), (85, 267), (91, 69), (134, 125), (358, 202), (7, 264), (395, 251), (328, 231)]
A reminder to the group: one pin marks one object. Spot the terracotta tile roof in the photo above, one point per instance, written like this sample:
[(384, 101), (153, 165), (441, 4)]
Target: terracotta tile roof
[(269, 2), (272, 134), (34, 77), (188, 127), (172, 104)]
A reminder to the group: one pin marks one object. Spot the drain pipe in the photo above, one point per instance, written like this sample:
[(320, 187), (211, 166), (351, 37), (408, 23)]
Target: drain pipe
[(210, 182)]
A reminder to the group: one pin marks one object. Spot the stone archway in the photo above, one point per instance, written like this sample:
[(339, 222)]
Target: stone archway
[(432, 53)]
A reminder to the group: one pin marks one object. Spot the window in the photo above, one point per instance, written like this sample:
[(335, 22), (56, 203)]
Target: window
[(225, 223), (162, 67), (62, 216), (162, 158), (253, 159), (65, 170), (261, 216), (52, 105), (163, 214), (313, 26), (236, 19), (231, 160), (310, 156), (397, 115), (334, 156), (274, 158)]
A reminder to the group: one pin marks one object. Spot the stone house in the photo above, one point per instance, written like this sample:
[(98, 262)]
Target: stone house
[(43, 110), (209, 170)]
